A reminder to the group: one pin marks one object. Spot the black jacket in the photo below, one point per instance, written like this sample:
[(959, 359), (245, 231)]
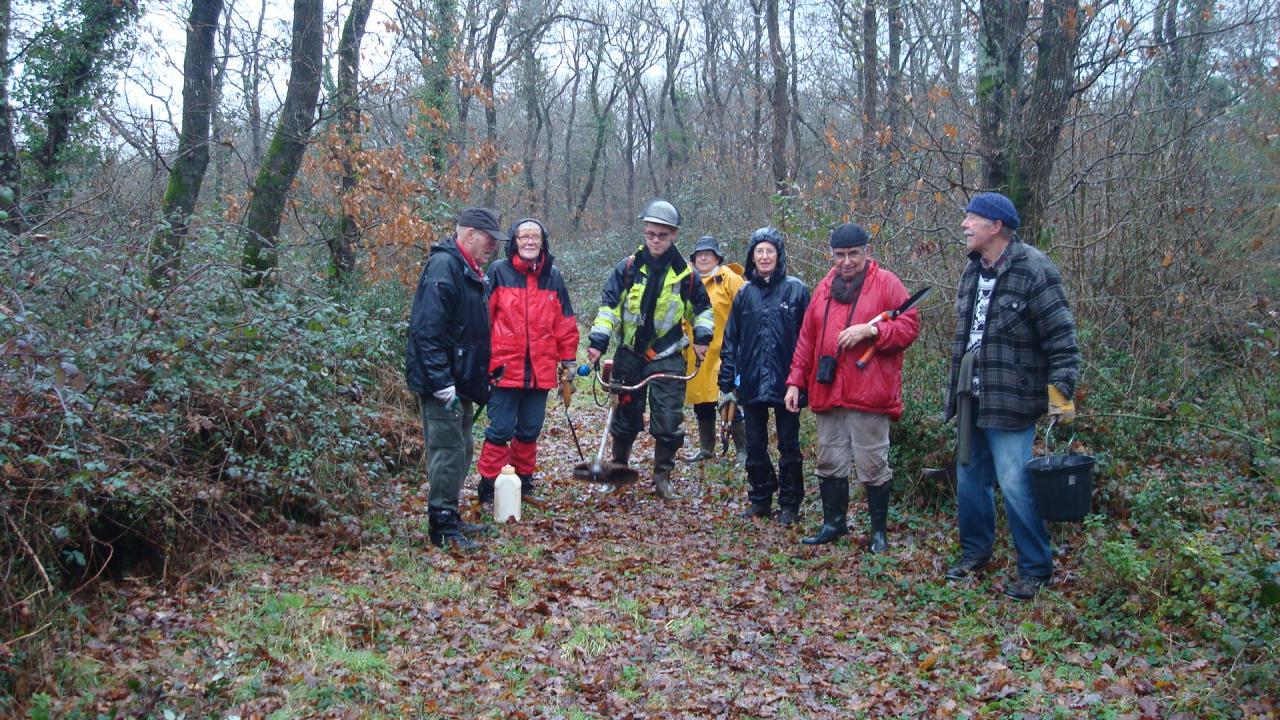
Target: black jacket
[(761, 335), (449, 327)]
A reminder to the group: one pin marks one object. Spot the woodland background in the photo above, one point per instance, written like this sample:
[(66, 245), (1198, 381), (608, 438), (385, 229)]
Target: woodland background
[(212, 214)]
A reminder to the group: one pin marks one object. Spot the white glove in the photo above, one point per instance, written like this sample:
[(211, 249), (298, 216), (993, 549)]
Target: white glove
[(448, 396)]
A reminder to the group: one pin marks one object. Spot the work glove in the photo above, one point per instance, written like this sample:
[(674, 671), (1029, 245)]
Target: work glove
[(1061, 407), (724, 399), (448, 396)]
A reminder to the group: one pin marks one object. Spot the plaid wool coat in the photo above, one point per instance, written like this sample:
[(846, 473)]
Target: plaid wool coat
[(1029, 341)]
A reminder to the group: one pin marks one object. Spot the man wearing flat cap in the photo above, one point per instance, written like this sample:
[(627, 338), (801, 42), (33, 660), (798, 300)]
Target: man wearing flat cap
[(853, 406), (1014, 357), (447, 364)]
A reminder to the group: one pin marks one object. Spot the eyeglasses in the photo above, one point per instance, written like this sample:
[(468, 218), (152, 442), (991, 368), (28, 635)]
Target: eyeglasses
[(529, 238), (657, 235), (848, 255)]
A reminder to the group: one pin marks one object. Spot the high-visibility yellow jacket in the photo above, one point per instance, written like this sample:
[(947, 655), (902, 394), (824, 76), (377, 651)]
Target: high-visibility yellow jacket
[(722, 284), (681, 298)]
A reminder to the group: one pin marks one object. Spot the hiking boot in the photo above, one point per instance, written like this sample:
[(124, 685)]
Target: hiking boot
[(444, 532), (788, 516), (966, 567), (1025, 588), (835, 509), (757, 510)]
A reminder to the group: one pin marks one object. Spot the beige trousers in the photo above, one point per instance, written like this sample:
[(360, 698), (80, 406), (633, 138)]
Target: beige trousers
[(850, 436)]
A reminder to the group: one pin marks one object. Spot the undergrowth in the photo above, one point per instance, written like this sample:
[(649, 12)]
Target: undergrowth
[(144, 424)]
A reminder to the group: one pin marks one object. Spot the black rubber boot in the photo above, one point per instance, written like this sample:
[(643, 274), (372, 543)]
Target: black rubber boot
[(622, 451), (790, 492), (444, 532), (878, 509), (664, 457), (484, 491), (527, 488), (706, 440), (835, 510), (761, 484), (738, 431)]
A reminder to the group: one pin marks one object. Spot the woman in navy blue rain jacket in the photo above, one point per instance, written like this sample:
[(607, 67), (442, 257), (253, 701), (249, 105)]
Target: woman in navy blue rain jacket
[(759, 340)]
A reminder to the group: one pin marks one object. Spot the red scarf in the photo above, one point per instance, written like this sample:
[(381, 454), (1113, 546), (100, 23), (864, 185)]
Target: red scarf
[(471, 263)]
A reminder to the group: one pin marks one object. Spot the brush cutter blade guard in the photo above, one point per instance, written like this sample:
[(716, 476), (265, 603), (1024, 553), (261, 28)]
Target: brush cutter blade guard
[(606, 473)]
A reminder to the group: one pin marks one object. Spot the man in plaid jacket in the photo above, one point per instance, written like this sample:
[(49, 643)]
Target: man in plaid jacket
[(1013, 358)]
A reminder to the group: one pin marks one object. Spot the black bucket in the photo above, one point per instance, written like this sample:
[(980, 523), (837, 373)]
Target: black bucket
[(1062, 486)]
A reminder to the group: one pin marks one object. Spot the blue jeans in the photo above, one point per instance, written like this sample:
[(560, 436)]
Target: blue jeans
[(515, 412), (1001, 456)]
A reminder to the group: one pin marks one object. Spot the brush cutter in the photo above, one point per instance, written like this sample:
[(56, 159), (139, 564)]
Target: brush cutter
[(608, 473)]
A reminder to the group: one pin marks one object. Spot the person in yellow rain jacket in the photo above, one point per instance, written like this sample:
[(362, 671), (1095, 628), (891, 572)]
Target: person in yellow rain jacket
[(722, 283), (645, 301)]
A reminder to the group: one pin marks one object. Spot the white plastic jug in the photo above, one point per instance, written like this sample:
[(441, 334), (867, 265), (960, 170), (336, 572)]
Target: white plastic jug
[(506, 495)]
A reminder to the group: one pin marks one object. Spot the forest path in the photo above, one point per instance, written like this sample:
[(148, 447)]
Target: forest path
[(619, 605)]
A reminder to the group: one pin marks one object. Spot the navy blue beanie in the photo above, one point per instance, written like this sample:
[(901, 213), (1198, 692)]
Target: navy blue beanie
[(849, 235), (994, 206)]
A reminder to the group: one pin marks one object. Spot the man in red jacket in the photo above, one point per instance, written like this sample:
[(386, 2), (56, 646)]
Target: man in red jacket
[(853, 406)]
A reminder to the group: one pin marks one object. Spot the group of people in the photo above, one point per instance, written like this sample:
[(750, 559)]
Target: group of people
[(755, 341)]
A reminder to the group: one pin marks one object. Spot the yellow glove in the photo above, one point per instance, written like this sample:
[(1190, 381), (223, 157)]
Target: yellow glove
[(1061, 406)]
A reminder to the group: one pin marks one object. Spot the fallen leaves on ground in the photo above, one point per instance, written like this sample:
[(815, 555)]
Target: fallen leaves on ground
[(614, 605)]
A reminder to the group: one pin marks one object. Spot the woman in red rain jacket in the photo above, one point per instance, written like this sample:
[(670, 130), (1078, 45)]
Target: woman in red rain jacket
[(532, 335)]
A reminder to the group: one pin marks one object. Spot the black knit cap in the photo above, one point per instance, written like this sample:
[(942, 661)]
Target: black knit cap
[(849, 235)]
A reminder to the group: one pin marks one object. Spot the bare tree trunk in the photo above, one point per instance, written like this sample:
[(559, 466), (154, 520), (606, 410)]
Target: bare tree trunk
[(103, 21), (757, 77), (870, 68), (10, 168), (342, 246), (793, 87), (713, 100), (530, 88), (1048, 96), (953, 64), (220, 153), (1002, 26), (629, 142), (893, 102), (600, 111), (778, 99), (487, 81), (574, 82), (284, 156), (893, 69), (252, 83), (187, 173)]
